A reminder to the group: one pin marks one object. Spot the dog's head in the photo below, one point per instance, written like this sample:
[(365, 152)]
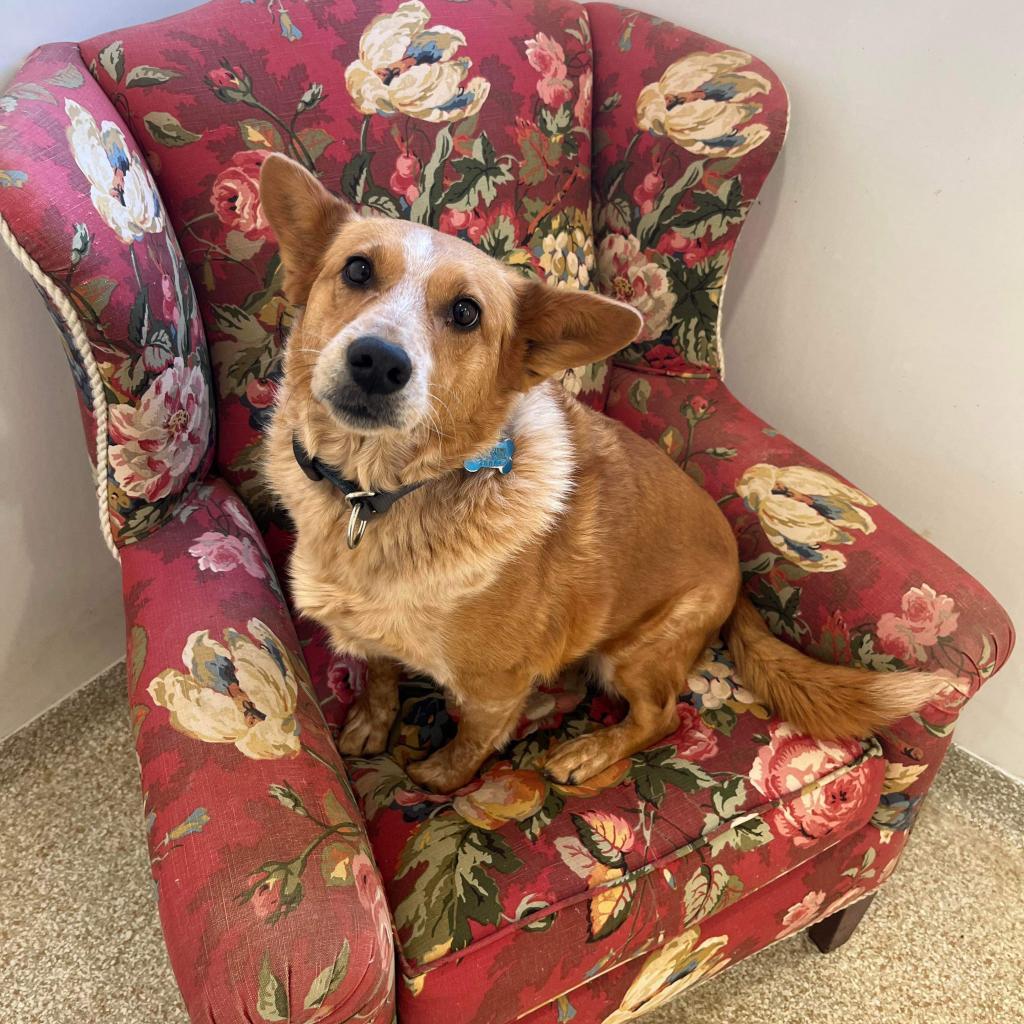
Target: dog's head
[(415, 337)]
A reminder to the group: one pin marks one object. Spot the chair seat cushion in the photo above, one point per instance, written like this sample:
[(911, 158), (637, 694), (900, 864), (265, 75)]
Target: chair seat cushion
[(515, 873)]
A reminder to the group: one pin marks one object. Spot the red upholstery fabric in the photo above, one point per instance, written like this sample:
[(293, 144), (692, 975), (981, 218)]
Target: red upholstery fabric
[(271, 905), (685, 132), (76, 192), (519, 889), (624, 988), (831, 570)]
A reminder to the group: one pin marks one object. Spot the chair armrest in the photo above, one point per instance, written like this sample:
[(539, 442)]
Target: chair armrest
[(81, 213), (832, 571), (271, 905), (685, 132)]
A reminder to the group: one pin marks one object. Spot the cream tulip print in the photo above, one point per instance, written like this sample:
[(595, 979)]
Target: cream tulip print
[(404, 67), (705, 129), (805, 512), (704, 103), (242, 691), (677, 966)]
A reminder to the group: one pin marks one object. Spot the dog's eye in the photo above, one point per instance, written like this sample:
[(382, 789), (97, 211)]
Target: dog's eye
[(465, 313), (358, 271)]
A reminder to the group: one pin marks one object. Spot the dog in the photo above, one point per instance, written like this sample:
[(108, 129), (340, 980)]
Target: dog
[(415, 354)]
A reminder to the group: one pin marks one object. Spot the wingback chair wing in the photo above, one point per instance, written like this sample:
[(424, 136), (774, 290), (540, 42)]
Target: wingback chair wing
[(598, 147)]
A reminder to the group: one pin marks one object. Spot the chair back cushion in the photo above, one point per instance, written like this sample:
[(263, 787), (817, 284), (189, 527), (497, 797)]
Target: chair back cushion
[(473, 118)]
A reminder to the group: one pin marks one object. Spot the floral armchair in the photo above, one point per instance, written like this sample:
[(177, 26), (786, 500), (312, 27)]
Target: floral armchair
[(598, 147)]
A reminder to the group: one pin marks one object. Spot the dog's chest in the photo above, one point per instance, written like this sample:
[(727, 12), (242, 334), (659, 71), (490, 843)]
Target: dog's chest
[(370, 615)]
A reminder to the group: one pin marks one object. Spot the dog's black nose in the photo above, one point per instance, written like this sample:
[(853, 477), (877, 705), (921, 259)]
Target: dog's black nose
[(377, 366)]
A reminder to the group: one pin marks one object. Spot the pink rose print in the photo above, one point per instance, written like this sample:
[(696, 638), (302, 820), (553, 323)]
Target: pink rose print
[(581, 109), (792, 760), (694, 741), (222, 552), (236, 195), (555, 91), (927, 617), (267, 897), (222, 78), (548, 57), (665, 357), (801, 914)]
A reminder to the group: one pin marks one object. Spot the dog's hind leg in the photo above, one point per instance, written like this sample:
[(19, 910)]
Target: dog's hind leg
[(649, 669)]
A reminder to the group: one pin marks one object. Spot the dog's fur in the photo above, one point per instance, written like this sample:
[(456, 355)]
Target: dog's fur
[(595, 549)]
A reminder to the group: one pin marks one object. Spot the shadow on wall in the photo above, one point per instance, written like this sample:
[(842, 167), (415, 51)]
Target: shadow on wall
[(60, 607), (750, 247)]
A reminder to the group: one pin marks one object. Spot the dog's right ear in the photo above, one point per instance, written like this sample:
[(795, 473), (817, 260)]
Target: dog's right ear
[(304, 217)]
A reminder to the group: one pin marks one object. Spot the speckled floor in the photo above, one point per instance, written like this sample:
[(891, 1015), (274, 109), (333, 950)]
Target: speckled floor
[(80, 942)]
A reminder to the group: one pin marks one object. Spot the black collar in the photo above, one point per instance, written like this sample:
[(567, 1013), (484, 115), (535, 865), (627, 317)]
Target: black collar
[(365, 505)]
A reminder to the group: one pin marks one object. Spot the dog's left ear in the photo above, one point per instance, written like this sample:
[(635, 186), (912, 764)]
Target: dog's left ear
[(305, 218), (562, 328)]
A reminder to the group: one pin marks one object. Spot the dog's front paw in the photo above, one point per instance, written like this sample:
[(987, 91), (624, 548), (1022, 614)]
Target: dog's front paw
[(365, 732), (438, 773), (573, 762)]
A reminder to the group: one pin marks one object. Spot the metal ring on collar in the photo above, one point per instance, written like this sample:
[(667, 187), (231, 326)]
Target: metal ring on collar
[(356, 523)]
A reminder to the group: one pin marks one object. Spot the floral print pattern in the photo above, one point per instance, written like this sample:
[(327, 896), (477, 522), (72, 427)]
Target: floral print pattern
[(116, 262), (515, 897), (122, 189), (692, 129), (514, 865), (236, 196), (404, 67), (704, 103), (680, 963), (627, 275), (803, 509), (276, 913), (789, 762), (240, 692), (159, 443), (927, 618)]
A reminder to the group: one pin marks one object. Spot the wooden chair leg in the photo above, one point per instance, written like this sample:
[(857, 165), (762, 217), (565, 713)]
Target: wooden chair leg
[(831, 933)]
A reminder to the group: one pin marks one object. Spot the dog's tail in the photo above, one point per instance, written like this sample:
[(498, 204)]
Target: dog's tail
[(825, 701)]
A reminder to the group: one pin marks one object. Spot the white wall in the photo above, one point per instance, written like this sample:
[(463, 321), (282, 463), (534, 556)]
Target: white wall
[(874, 311), (872, 315), (60, 605)]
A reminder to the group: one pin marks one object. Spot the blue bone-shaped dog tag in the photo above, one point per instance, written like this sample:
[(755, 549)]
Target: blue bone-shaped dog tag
[(499, 458)]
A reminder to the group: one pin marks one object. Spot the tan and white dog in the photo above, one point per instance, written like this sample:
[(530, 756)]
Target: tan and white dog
[(416, 351)]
